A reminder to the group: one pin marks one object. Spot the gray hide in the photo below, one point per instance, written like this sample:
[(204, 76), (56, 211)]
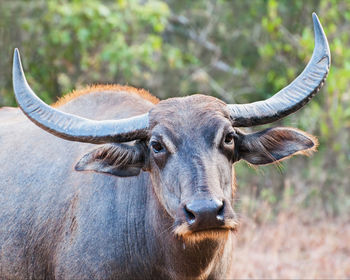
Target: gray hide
[(56, 223)]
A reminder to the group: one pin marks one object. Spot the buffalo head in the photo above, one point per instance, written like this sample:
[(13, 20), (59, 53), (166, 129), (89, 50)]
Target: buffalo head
[(189, 144)]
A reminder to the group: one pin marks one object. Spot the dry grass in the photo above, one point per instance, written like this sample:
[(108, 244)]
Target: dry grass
[(291, 247)]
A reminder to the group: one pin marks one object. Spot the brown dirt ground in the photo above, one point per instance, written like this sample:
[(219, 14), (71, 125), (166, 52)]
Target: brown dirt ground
[(293, 248)]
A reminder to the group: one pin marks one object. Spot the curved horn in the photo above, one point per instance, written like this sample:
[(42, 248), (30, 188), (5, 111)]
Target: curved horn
[(295, 95), (72, 127)]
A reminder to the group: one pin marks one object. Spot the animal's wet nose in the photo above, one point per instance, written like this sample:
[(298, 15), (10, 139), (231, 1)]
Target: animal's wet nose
[(204, 214)]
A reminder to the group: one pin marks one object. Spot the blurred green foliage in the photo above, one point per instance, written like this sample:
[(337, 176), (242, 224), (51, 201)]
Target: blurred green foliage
[(238, 51)]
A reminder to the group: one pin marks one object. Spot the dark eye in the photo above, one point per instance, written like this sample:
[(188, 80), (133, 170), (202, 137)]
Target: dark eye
[(229, 138), (157, 146)]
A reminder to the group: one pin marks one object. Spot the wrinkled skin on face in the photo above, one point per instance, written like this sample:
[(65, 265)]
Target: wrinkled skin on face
[(194, 163), (189, 154)]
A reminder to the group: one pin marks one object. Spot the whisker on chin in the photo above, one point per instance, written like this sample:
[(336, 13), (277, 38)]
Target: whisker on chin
[(232, 225), (181, 230), (168, 229)]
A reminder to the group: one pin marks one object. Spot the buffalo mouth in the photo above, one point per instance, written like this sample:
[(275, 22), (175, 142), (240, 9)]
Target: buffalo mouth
[(185, 232)]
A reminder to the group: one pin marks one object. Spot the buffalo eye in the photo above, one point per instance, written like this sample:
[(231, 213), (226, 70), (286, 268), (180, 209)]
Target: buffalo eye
[(157, 147), (229, 138)]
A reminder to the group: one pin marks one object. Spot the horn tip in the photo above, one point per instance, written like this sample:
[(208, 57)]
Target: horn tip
[(16, 54), (320, 37), (18, 78), (16, 58), (317, 24)]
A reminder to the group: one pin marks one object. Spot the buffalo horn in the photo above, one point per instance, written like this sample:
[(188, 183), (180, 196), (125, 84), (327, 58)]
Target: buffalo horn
[(72, 127), (295, 95)]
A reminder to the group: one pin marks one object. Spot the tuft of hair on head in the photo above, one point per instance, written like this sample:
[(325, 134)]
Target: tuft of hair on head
[(102, 88)]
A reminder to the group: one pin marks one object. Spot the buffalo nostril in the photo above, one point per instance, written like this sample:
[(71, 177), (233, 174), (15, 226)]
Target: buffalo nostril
[(191, 218), (220, 214)]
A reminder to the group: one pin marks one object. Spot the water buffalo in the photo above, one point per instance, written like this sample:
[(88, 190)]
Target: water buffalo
[(157, 200)]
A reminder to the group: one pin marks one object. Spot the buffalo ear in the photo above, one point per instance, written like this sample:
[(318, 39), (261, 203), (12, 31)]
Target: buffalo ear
[(274, 144), (123, 160)]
